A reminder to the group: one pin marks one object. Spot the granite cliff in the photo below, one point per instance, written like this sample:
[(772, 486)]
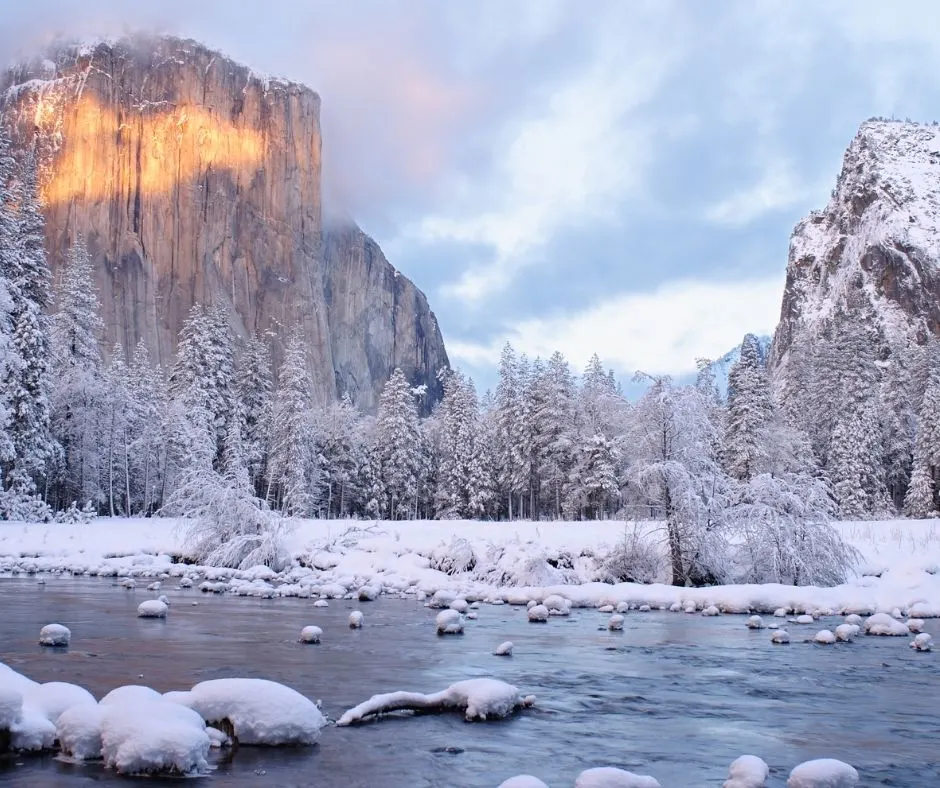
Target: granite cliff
[(194, 179)]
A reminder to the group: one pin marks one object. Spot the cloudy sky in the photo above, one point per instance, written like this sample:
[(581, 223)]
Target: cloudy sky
[(614, 177)]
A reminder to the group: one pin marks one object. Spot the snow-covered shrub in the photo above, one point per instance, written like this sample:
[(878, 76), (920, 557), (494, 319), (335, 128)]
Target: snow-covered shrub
[(75, 516), (453, 558), (634, 559), (20, 507)]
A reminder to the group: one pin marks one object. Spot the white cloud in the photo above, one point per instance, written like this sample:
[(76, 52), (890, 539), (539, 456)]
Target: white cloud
[(660, 332), (573, 162), (777, 188)]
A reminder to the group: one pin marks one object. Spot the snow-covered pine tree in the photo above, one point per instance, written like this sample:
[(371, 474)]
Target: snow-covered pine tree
[(593, 481), (749, 413), (923, 495), (24, 300), (396, 450), (77, 395), (513, 455), (119, 424), (342, 450), (293, 473), (554, 429), (148, 455), (255, 387)]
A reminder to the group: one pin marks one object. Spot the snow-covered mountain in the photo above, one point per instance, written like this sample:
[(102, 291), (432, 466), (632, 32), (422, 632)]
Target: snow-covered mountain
[(873, 252), (720, 367)]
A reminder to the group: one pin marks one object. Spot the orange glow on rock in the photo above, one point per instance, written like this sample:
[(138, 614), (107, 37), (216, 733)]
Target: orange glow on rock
[(151, 152)]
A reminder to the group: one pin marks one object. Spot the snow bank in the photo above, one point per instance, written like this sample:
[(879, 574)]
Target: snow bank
[(257, 711), (54, 635), (610, 777), (511, 562), (480, 699), (823, 773), (748, 771)]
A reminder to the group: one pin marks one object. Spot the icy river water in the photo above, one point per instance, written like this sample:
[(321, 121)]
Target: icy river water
[(674, 695)]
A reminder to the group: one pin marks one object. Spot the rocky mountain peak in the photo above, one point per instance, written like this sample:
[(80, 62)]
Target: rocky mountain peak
[(875, 248), (195, 179)]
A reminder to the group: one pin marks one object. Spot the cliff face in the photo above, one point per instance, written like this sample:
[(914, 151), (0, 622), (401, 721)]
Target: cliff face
[(874, 251), (193, 179)]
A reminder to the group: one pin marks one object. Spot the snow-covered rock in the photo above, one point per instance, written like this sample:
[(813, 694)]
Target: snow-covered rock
[(711, 610), (754, 622), (748, 771), (915, 625), (854, 618), (557, 605), (311, 634), (479, 699), (804, 619), (523, 781), (825, 637), (922, 642), (368, 594), (257, 710), (78, 730), (538, 614), (460, 605), (780, 637), (823, 773), (153, 737), (449, 622), (441, 598), (129, 695), (355, 620), (846, 632), (54, 697), (185, 582), (644, 609), (781, 612), (504, 649), (883, 624), (54, 635), (321, 603), (615, 623), (152, 608), (611, 777)]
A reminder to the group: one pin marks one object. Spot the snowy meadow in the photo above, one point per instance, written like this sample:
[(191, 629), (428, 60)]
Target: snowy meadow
[(681, 681)]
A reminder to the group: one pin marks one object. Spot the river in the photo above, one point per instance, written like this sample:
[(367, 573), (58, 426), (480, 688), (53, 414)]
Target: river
[(673, 695)]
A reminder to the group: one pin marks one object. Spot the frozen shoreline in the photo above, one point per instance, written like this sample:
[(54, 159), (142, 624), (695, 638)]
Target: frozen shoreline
[(491, 561)]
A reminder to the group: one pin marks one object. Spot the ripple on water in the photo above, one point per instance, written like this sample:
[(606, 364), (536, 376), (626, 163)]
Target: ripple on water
[(679, 697)]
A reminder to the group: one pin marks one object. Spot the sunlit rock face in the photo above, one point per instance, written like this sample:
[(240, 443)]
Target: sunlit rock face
[(194, 179)]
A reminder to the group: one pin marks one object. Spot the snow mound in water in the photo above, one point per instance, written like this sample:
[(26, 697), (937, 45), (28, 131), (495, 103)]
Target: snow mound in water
[(310, 634), (153, 737), (711, 610), (55, 697), (449, 622), (259, 711), (480, 699), (846, 632), (504, 649), (355, 620), (321, 603), (748, 771), (152, 608), (854, 618), (804, 619), (915, 625), (54, 635), (883, 624), (11, 705), (923, 642), (130, 694), (368, 594), (825, 637), (557, 605), (780, 637), (610, 777), (754, 622), (460, 605), (538, 614), (615, 623), (823, 773), (523, 781), (78, 730)]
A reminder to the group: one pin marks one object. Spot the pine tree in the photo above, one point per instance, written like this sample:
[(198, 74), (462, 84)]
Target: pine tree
[(119, 422), (513, 452), (149, 446), (255, 397), (78, 397), (24, 300), (749, 413), (293, 475), (396, 450), (923, 495), (554, 430), (342, 451)]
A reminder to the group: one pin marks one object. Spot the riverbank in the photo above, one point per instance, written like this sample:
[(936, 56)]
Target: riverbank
[(486, 561)]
